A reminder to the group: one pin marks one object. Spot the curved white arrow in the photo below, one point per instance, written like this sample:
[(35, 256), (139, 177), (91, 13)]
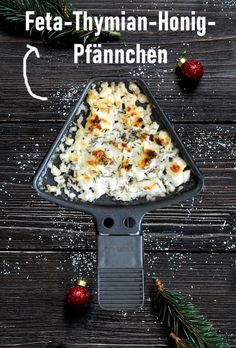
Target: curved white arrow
[(35, 50)]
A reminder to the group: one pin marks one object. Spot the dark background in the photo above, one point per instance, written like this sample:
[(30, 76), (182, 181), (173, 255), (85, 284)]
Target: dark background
[(190, 246)]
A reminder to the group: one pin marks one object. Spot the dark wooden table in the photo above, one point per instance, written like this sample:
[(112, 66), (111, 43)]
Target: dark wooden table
[(190, 246)]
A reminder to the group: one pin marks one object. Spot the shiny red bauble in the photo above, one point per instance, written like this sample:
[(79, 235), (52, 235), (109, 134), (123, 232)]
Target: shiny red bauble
[(78, 295), (190, 70)]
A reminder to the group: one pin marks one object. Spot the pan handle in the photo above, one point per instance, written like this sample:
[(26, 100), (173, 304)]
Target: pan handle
[(120, 272)]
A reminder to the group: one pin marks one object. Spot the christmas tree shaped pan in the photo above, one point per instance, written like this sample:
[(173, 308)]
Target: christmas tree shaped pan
[(118, 223)]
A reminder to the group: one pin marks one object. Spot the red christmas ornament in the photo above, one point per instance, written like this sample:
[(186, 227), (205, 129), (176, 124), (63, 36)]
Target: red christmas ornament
[(78, 295), (190, 70)]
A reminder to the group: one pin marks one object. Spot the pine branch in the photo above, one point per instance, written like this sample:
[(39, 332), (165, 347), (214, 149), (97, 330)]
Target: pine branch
[(187, 326), (13, 13)]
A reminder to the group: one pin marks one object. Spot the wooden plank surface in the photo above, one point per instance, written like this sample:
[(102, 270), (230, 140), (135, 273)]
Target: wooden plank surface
[(205, 222), (33, 311), (54, 74), (191, 246)]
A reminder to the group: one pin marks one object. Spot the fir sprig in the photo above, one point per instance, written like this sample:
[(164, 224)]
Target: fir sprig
[(13, 13), (187, 326)]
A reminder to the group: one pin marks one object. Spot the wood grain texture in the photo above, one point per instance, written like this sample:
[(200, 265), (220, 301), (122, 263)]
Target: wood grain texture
[(205, 222), (191, 246), (34, 315), (55, 72)]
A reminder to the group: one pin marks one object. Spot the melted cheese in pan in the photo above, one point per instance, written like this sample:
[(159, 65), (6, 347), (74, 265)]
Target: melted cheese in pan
[(119, 150)]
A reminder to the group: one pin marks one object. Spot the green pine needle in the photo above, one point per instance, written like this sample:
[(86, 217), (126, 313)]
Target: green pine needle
[(187, 326), (13, 13)]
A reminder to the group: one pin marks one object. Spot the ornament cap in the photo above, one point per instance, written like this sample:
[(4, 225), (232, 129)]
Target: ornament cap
[(181, 61), (82, 282)]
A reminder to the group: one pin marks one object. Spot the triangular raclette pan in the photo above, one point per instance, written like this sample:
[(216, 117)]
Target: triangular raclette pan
[(118, 157)]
